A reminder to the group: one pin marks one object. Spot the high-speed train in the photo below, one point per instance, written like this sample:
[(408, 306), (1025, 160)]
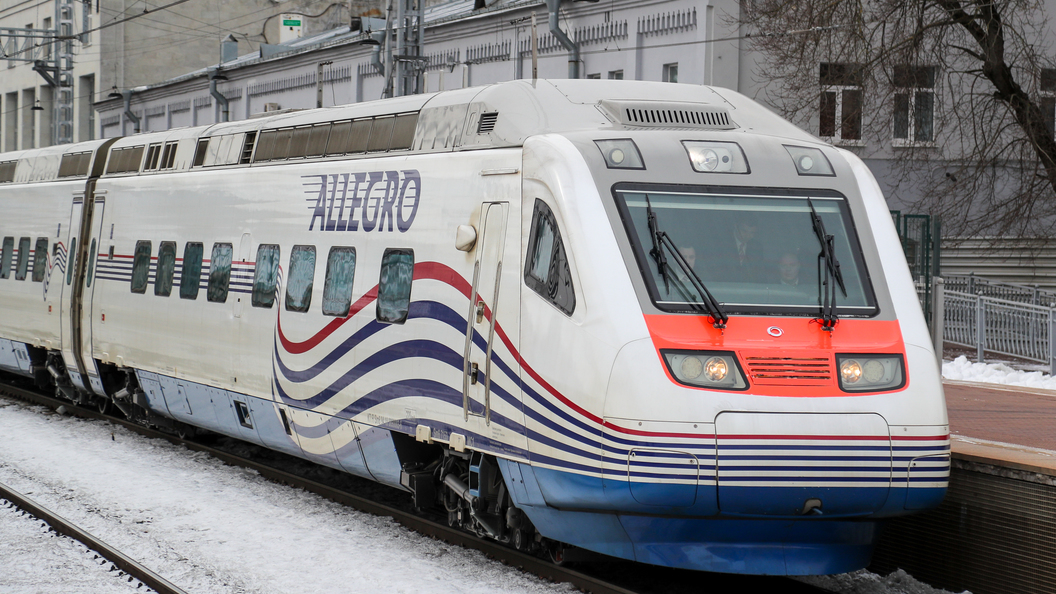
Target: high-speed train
[(649, 320)]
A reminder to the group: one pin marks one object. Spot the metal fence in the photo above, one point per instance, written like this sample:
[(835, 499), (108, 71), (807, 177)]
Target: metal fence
[(975, 285), (999, 326)]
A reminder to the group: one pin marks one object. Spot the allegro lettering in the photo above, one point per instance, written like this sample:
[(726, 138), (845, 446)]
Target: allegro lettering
[(367, 201)]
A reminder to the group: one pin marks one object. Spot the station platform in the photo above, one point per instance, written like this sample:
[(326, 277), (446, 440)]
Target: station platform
[(996, 530)]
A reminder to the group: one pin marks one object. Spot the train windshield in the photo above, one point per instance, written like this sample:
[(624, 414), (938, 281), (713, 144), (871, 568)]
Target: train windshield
[(754, 252)]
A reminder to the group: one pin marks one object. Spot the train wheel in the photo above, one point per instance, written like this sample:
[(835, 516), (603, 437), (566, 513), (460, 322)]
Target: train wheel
[(557, 554), (103, 405), (521, 542), (184, 431), (452, 518)]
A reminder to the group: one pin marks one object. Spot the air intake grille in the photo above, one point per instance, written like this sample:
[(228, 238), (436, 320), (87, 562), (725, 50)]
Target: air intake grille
[(659, 114), (790, 371), (487, 122)]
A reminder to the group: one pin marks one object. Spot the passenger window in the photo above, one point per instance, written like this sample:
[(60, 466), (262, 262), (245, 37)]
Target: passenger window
[(191, 274), (166, 267), (337, 290), (40, 260), (546, 272), (23, 259), (6, 257), (219, 273), (91, 263), (394, 289), (302, 273), (141, 267), (266, 273), (71, 258)]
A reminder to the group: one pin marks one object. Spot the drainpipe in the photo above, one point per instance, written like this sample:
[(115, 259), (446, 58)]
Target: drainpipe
[(128, 111), (214, 76), (573, 57)]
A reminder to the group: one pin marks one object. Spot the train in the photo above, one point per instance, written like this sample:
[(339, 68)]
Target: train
[(653, 321)]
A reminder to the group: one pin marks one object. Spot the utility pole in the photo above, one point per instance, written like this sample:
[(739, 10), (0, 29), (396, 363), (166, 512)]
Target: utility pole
[(51, 53)]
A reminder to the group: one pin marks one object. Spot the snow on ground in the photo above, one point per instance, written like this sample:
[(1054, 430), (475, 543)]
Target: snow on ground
[(31, 555), (995, 373), (208, 527)]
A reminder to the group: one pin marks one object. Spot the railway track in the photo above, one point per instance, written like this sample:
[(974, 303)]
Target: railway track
[(596, 576)]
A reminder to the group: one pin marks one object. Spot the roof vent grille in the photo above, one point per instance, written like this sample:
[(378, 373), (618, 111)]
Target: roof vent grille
[(660, 114), (487, 122)]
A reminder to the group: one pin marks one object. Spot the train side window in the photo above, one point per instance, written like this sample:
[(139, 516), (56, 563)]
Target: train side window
[(91, 262), (381, 134), (359, 135), (337, 289), (264, 276), (141, 267), (546, 272), (394, 289), (302, 274), (219, 273), (6, 255), (166, 267), (23, 259), (71, 260), (40, 260), (337, 143), (191, 274)]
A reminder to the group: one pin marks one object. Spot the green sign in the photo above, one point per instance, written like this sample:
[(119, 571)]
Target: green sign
[(291, 23)]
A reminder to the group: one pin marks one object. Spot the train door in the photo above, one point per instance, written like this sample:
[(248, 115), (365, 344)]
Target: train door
[(67, 258), (483, 310), (90, 314)]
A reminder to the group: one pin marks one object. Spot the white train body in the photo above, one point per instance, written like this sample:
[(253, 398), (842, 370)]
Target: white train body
[(547, 342)]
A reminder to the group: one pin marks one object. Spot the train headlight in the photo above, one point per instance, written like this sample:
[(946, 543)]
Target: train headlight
[(620, 153), (871, 373), (705, 369), (810, 161), (716, 157)]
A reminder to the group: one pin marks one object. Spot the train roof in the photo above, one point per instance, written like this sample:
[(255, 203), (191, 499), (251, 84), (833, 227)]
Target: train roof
[(493, 116)]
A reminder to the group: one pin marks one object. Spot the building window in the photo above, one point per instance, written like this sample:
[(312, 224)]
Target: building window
[(141, 267), (302, 276), (914, 103), (618, 74), (394, 288), (595, 76), (671, 73), (1048, 98), (841, 102)]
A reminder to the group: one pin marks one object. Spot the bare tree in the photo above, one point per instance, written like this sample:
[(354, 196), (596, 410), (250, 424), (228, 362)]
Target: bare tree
[(952, 93)]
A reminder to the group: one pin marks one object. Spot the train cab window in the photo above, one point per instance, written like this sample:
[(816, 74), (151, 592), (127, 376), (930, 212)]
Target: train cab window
[(166, 268), (337, 289), (546, 272), (40, 260), (394, 288), (141, 267), (91, 262), (219, 273), (23, 259), (265, 276), (302, 274), (6, 255), (71, 260), (191, 275)]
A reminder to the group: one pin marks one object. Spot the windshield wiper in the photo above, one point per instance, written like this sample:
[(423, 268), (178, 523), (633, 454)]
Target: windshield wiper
[(831, 276), (662, 241)]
